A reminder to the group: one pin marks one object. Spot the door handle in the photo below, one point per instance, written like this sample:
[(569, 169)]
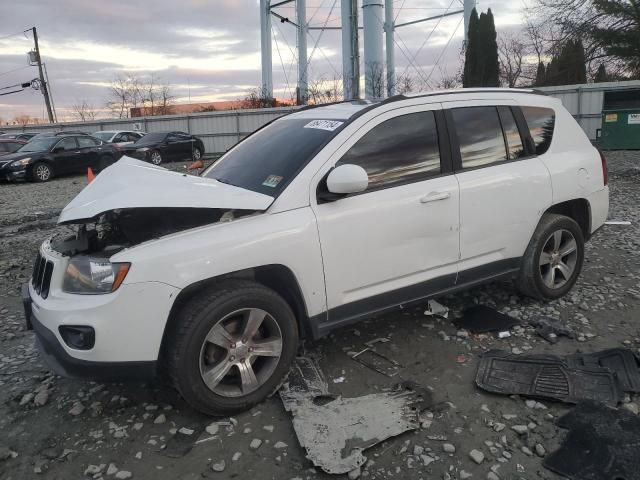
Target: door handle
[(435, 196)]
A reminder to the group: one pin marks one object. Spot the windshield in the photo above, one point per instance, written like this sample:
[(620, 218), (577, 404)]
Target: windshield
[(153, 137), (104, 136), (39, 144), (270, 158)]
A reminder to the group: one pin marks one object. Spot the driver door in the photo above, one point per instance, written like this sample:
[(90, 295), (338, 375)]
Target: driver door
[(398, 240), (66, 156)]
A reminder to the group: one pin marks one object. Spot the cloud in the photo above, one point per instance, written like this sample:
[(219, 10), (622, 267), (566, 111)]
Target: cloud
[(211, 48)]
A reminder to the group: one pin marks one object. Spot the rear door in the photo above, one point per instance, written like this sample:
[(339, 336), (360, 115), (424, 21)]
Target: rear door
[(504, 187), (398, 240)]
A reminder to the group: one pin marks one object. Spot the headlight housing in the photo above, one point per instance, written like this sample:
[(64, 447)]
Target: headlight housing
[(92, 276), (21, 163)]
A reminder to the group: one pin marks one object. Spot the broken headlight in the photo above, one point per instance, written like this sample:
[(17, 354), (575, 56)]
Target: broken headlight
[(90, 275)]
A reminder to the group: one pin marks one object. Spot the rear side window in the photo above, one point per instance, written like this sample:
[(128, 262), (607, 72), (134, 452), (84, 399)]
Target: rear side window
[(515, 147), (399, 150), (85, 142), (541, 122), (479, 135)]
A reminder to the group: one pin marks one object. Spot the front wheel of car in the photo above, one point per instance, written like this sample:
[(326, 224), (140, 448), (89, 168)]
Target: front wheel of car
[(197, 154), (41, 172), (553, 260), (232, 348), (156, 157)]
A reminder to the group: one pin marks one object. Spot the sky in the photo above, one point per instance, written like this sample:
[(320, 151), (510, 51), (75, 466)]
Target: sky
[(207, 50)]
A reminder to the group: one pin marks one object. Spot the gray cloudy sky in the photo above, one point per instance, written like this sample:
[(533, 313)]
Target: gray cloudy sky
[(211, 46)]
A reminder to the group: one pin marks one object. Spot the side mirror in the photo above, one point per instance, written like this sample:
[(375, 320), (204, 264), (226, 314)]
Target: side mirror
[(347, 178)]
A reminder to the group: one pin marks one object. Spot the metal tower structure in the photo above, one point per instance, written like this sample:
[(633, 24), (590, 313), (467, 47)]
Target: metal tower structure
[(378, 28)]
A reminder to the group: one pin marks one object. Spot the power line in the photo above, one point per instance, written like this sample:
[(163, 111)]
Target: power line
[(14, 34), (286, 78), (445, 47), (15, 70)]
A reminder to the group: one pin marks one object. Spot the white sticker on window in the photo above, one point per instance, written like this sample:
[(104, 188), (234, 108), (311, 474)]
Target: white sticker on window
[(272, 181), (329, 125)]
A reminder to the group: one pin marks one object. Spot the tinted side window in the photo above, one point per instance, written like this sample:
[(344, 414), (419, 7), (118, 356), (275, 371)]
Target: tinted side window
[(541, 123), (12, 147), (399, 150), (480, 136), (515, 147), (68, 143), (85, 142)]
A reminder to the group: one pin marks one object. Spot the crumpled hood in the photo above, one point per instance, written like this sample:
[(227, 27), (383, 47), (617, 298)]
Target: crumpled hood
[(131, 183)]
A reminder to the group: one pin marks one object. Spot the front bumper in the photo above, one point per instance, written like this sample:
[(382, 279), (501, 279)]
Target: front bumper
[(60, 362), (128, 324), (11, 174)]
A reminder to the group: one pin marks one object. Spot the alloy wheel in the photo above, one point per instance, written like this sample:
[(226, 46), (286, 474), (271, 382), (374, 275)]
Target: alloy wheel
[(196, 154), (156, 158), (43, 173), (240, 352), (558, 258)]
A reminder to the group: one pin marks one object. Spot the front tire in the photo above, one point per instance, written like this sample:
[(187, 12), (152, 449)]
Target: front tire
[(156, 157), (41, 172), (232, 348), (197, 154), (553, 260)]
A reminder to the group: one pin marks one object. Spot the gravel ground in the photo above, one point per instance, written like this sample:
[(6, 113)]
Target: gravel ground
[(58, 428)]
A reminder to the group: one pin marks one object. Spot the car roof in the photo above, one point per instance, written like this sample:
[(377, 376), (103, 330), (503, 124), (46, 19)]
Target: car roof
[(348, 109)]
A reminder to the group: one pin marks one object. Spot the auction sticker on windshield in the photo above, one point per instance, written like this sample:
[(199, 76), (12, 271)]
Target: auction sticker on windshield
[(329, 125), (272, 181)]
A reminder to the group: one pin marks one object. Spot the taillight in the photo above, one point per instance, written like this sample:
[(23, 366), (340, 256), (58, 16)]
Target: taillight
[(605, 173)]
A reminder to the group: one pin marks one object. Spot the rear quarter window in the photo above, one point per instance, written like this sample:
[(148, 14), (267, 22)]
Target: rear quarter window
[(541, 122)]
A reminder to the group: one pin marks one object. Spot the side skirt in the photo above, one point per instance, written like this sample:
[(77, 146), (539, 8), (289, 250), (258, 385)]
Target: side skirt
[(343, 315)]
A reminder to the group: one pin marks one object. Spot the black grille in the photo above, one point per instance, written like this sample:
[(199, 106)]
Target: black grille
[(41, 277)]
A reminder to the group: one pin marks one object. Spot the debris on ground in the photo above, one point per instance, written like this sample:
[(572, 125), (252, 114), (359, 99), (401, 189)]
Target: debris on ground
[(335, 431), (602, 443), (483, 319), (551, 328), (437, 309), (617, 222), (601, 376), (545, 376), (371, 358)]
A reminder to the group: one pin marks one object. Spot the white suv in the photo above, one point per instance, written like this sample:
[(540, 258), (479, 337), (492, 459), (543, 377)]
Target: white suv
[(319, 219)]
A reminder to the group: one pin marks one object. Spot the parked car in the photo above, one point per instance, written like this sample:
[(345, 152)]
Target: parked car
[(26, 136), (119, 137), (324, 217), (8, 145), (56, 154), (159, 147)]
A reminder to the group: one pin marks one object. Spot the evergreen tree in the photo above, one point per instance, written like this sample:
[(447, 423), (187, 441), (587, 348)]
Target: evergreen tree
[(568, 67), (470, 73), (601, 74), (540, 76), (482, 67)]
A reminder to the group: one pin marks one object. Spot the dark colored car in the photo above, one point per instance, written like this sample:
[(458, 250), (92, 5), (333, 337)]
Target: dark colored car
[(26, 136), (159, 147), (59, 154), (10, 145)]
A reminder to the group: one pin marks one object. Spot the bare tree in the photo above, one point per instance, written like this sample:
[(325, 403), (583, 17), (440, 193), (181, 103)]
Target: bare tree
[(129, 91), (511, 52), (165, 99), (23, 119), (122, 91), (324, 90), (258, 98), (405, 84), (84, 111), (374, 80)]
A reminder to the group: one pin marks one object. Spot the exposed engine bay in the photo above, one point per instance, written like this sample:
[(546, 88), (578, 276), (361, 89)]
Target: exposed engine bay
[(116, 230)]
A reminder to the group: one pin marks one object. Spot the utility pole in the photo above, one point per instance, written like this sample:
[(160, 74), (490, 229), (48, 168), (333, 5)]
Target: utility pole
[(43, 83), (301, 10), (265, 44), (373, 23), (350, 50), (389, 28)]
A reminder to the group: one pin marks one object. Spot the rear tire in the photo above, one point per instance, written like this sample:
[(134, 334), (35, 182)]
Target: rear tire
[(553, 260), (41, 172), (231, 348), (197, 154)]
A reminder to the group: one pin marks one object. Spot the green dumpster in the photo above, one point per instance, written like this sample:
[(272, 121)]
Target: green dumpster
[(621, 129)]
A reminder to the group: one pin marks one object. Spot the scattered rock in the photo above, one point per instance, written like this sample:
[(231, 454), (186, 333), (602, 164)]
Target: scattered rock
[(112, 469), (160, 419), (77, 409), (280, 445), (219, 467), (41, 398), (477, 456), (355, 473), (520, 429), (540, 450), (123, 475), (212, 429), (26, 399), (449, 448), (255, 444)]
